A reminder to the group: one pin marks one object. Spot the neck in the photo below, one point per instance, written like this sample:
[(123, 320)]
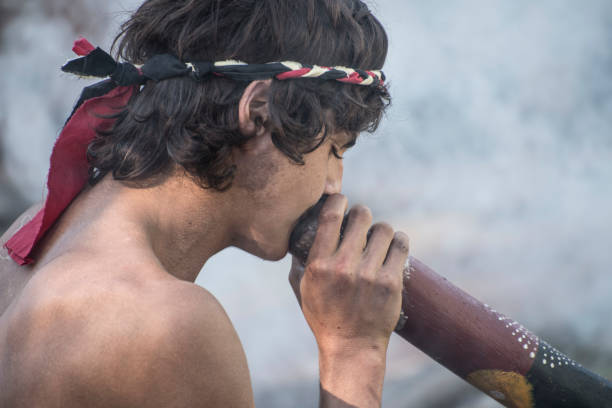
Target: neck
[(176, 223)]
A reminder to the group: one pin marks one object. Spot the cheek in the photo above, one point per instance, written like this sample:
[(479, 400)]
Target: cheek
[(258, 174), (316, 174)]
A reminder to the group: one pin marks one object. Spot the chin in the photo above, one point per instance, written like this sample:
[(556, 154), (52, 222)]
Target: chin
[(266, 252), (275, 256), (274, 252)]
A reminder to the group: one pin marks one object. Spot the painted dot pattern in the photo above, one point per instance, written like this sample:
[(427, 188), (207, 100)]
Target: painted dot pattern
[(554, 358), (527, 341), (524, 339)]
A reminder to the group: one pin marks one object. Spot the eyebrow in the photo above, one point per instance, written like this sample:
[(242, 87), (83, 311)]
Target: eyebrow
[(351, 136), (350, 143)]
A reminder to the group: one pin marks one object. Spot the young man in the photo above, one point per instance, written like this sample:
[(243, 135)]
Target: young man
[(98, 305)]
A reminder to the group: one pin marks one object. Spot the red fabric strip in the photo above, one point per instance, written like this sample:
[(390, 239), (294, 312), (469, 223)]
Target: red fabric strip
[(354, 78), (68, 171), (82, 47), (293, 74)]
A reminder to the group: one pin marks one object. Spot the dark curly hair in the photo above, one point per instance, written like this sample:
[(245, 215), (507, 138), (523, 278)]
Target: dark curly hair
[(195, 124)]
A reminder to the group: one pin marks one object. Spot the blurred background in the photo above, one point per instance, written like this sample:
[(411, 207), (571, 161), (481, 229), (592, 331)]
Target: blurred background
[(496, 158)]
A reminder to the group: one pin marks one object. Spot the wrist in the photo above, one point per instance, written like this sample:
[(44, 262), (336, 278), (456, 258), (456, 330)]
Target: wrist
[(354, 374), (348, 349), (365, 360)]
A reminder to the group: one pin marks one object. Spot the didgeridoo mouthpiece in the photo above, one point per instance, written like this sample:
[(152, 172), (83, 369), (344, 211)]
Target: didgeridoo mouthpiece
[(482, 346)]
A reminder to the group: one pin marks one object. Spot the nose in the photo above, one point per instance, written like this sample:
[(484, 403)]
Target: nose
[(333, 183)]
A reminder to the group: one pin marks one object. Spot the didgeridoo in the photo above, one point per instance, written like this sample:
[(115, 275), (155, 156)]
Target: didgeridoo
[(485, 348)]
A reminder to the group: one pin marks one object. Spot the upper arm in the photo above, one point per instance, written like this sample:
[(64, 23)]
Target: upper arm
[(204, 353), (183, 353)]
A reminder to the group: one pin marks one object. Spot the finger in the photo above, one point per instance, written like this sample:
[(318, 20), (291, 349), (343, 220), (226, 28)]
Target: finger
[(328, 231), (356, 233), (398, 253), (381, 236)]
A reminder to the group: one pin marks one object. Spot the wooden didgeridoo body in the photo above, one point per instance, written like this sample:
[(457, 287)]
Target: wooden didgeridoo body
[(490, 351)]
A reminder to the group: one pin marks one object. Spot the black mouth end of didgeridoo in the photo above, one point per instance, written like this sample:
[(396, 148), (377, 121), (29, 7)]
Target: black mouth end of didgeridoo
[(304, 233)]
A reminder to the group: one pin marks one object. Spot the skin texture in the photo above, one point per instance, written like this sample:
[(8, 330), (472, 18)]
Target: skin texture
[(351, 296), (109, 316)]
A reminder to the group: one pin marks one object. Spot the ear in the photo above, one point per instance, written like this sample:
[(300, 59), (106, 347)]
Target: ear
[(253, 109)]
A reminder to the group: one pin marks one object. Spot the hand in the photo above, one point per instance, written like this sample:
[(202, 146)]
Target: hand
[(351, 294)]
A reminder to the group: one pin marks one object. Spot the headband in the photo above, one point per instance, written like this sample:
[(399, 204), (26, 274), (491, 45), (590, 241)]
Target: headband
[(98, 63), (93, 112)]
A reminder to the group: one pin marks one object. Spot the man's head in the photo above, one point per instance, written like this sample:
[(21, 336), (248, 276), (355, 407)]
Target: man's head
[(195, 125)]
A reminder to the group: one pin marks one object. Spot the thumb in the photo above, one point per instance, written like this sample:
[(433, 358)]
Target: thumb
[(295, 277)]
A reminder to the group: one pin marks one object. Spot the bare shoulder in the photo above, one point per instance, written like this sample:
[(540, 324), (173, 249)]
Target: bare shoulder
[(155, 344)]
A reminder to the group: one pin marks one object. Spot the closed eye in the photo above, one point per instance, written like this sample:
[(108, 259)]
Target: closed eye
[(335, 152), (345, 147), (350, 144)]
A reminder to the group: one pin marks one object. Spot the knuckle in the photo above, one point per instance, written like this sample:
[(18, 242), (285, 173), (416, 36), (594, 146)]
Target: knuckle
[(337, 269), (383, 290), (391, 283), (342, 267), (317, 267), (370, 280)]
